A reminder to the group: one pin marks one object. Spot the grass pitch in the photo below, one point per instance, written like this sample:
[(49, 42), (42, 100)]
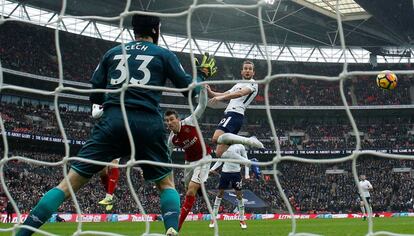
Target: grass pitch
[(337, 227)]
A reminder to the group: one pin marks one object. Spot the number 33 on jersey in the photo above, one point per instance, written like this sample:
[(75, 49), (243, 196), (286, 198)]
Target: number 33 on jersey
[(121, 68), (147, 64)]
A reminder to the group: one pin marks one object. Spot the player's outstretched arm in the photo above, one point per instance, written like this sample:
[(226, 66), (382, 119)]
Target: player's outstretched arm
[(202, 103), (231, 95), (176, 73), (212, 93)]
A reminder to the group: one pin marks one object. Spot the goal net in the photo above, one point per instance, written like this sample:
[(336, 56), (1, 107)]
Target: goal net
[(133, 162)]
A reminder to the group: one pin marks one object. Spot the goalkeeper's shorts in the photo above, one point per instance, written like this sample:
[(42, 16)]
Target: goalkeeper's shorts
[(109, 141)]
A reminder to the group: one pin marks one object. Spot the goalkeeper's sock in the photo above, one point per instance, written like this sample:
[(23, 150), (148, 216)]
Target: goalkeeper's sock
[(185, 209), (170, 207), (240, 204), (113, 176), (44, 209), (216, 206)]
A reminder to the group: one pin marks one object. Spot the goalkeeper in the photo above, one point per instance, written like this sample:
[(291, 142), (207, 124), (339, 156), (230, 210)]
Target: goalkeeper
[(148, 64)]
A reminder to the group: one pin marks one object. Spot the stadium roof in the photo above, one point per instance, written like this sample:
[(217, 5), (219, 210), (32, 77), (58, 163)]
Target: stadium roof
[(349, 9), (286, 22), (345, 6)]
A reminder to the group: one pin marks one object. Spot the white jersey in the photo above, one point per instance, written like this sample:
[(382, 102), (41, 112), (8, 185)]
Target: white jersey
[(235, 151), (366, 186), (240, 104)]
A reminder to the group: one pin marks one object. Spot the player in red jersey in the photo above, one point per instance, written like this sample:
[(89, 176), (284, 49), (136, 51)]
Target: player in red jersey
[(109, 178), (184, 135)]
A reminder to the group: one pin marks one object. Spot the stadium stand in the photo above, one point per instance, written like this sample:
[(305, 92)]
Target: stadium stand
[(308, 186), (81, 54), (314, 134)]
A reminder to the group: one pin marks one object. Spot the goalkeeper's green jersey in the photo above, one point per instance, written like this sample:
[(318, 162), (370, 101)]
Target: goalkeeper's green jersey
[(148, 64)]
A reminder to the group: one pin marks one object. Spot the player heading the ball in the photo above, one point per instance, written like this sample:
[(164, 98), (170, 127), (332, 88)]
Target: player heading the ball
[(240, 96)]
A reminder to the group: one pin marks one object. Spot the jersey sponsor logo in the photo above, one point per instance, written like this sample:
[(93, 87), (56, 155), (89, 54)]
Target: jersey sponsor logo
[(188, 143)]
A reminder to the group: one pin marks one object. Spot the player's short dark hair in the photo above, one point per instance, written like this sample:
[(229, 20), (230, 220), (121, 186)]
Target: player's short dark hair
[(171, 112), (248, 62), (146, 26)]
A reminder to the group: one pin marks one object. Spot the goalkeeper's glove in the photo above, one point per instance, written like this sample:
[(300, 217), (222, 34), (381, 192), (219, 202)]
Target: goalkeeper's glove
[(207, 66), (97, 111)]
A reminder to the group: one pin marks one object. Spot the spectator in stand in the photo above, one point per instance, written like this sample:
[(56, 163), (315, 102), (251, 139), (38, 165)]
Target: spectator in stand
[(9, 212), (79, 55), (310, 186), (323, 134)]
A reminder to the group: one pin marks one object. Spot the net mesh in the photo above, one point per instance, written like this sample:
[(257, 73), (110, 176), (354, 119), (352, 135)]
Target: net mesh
[(341, 78)]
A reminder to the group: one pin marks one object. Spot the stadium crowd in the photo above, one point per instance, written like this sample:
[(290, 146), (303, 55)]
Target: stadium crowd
[(81, 54), (295, 133), (308, 186)]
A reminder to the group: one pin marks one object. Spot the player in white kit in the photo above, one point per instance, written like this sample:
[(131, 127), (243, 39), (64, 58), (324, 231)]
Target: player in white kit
[(366, 186), (230, 177), (239, 96)]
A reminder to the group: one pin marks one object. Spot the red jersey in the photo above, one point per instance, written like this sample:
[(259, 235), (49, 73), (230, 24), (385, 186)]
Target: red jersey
[(188, 140)]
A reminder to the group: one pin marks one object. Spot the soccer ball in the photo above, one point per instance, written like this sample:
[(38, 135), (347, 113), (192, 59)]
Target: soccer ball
[(387, 80)]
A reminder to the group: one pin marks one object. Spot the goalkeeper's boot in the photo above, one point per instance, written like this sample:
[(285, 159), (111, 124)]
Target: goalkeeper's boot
[(211, 225), (364, 218), (106, 201), (171, 232), (254, 142)]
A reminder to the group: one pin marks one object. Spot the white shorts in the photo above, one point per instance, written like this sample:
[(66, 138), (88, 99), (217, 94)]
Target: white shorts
[(197, 174)]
